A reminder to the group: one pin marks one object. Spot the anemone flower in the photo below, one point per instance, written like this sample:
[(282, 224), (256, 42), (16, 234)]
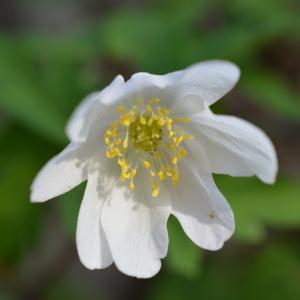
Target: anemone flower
[(148, 148)]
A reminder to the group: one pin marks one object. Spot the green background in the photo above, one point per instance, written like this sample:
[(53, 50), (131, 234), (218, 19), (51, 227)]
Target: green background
[(53, 53)]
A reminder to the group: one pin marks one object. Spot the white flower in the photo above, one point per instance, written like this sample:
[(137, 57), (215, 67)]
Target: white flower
[(148, 148)]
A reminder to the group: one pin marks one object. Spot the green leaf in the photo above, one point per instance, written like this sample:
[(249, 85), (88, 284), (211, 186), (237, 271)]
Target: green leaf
[(256, 205), (184, 257), (167, 40), (270, 17), (68, 206), (68, 288), (19, 219), (272, 92), (4, 295), (21, 96), (269, 273), (181, 33)]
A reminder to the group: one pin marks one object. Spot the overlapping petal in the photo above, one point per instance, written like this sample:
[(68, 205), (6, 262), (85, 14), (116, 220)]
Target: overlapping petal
[(135, 225), (229, 145), (62, 173), (91, 240), (186, 91), (201, 209), (84, 118)]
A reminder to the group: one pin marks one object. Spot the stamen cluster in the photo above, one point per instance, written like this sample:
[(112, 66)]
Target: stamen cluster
[(147, 129)]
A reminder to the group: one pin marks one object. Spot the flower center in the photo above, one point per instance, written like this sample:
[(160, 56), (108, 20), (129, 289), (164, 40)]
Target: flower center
[(146, 136), (146, 133)]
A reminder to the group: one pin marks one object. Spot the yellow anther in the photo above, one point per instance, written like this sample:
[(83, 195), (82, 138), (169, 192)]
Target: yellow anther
[(153, 100), (110, 153), (164, 111), (161, 121), (146, 164), (161, 175), (126, 174), (131, 185), (133, 173), (178, 140), (175, 176), (127, 119), (169, 124), (174, 160), (109, 132), (171, 134), (125, 143), (182, 153), (143, 120), (155, 188), (152, 173), (122, 162)]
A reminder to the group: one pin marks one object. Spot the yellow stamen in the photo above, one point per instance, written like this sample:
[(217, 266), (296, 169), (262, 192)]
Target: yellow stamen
[(147, 128), (146, 164), (125, 143), (152, 173), (155, 188), (143, 121), (174, 160), (153, 100), (161, 175), (131, 185)]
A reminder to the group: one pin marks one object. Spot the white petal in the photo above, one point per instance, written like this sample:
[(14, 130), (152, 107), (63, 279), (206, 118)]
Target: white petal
[(201, 209), (92, 106), (61, 173), (142, 86), (205, 83), (189, 90), (229, 145), (92, 243), (136, 230)]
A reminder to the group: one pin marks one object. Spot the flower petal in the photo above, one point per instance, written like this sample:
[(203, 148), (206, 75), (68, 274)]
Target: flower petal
[(92, 245), (189, 90), (136, 231), (203, 84), (61, 173), (229, 145), (201, 209), (85, 114)]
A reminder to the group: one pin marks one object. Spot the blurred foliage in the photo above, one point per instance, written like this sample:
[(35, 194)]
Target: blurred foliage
[(272, 272), (19, 221), (258, 205), (43, 75), (184, 257), (69, 205)]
